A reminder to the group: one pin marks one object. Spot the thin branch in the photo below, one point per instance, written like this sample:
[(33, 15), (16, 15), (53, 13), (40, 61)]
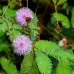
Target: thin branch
[(27, 3), (52, 34), (37, 6), (8, 28), (19, 3), (7, 7), (57, 24)]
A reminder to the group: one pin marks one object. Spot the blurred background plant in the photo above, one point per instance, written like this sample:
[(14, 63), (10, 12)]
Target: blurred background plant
[(51, 31)]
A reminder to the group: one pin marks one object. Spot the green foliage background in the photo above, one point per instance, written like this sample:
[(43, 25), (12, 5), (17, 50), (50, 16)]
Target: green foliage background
[(47, 56)]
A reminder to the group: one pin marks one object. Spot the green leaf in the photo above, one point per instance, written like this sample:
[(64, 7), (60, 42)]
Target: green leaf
[(33, 30), (1, 20), (60, 2), (46, 46), (63, 68), (10, 12), (53, 49), (55, 1), (63, 19), (33, 27), (0, 11), (2, 34), (12, 5), (52, 21), (62, 55), (44, 63), (14, 34), (72, 17), (16, 26), (34, 68), (72, 72), (3, 27), (9, 67), (3, 47), (65, 6), (73, 46), (28, 65), (35, 19)]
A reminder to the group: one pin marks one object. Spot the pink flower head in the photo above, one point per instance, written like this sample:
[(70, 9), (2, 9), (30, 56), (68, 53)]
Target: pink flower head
[(22, 45), (23, 15)]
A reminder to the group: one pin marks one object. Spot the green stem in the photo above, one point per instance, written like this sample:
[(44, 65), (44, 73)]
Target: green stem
[(58, 28), (8, 28)]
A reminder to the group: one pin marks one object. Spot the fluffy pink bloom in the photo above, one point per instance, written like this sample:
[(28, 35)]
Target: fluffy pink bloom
[(22, 15), (22, 45)]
